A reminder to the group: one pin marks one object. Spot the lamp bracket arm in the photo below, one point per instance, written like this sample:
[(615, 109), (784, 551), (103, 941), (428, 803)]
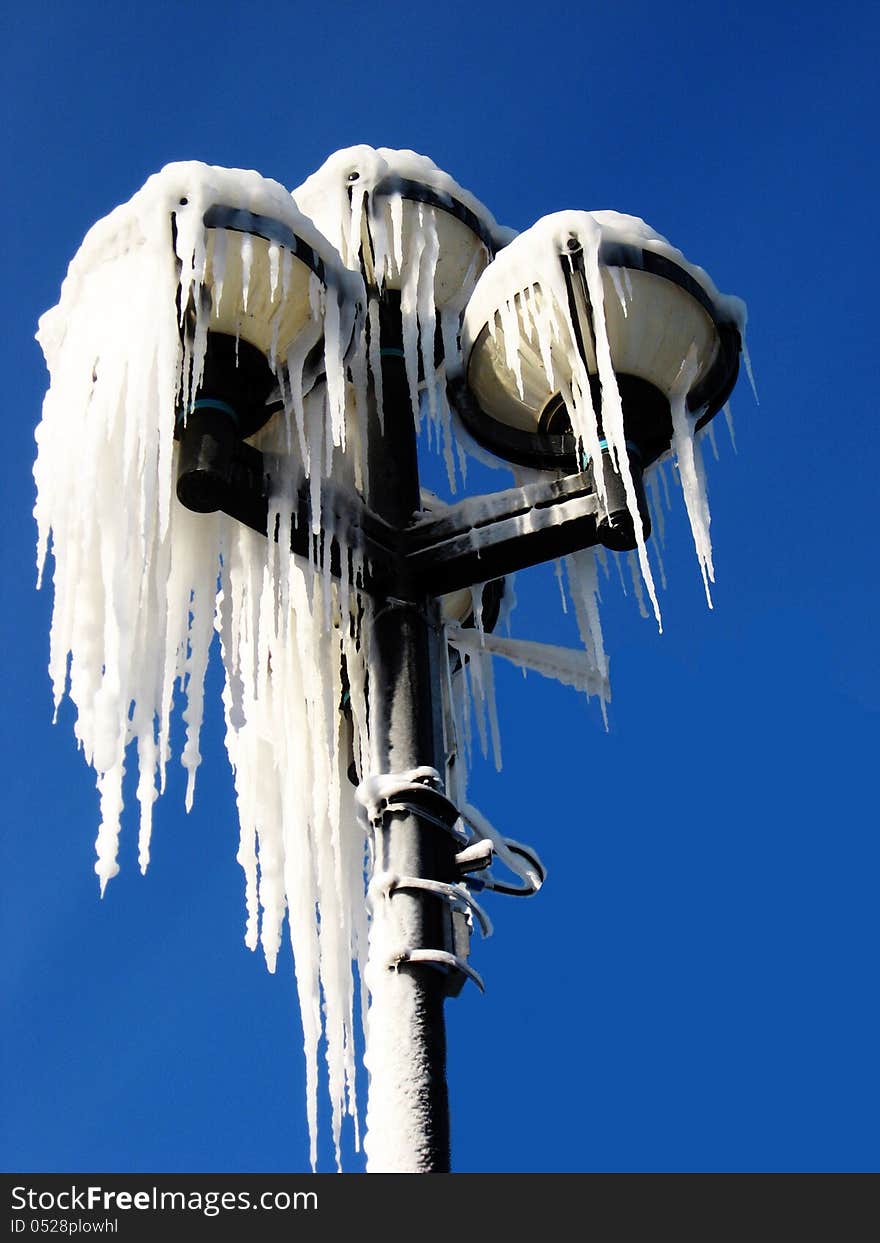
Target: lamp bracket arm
[(486, 537), (476, 540)]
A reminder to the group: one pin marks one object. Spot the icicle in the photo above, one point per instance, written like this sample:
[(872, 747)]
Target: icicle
[(748, 364), (619, 288), (274, 255), (661, 472), (710, 433), (731, 431), (560, 583), (218, 267), (409, 315), (482, 688), (612, 410), (655, 505), (692, 475), (427, 316), (634, 564), (583, 586), (567, 665), (658, 524)]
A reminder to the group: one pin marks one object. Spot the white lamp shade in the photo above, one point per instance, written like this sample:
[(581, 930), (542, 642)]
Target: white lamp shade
[(461, 253), (263, 279), (245, 301), (531, 327)]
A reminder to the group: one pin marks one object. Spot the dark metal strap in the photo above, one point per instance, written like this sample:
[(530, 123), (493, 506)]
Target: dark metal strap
[(442, 959), (419, 192), (238, 220)]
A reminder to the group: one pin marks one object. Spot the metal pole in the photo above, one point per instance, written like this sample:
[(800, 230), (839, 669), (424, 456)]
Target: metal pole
[(408, 1108)]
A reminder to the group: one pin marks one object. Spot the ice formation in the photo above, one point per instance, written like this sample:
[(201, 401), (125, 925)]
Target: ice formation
[(142, 584), (416, 248), (525, 300)]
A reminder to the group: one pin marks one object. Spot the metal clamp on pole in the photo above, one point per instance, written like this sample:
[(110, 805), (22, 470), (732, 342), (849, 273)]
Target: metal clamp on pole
[(458, 967), (455, 894), (487, 847), (463, 909), (417, 792)]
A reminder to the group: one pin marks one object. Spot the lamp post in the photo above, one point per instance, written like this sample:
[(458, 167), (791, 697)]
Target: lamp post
[(583, 350)]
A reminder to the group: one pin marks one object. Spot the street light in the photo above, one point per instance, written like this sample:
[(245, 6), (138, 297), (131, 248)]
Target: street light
[(306, 341)]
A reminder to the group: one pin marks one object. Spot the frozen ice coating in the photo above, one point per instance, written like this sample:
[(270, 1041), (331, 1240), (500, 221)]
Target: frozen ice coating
[(337, 196), (300, 847), (549, 343), (386, 212), (567, 665), (142, 585)]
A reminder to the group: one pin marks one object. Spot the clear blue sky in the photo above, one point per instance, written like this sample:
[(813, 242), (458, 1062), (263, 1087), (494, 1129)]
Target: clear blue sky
[(696, 987)]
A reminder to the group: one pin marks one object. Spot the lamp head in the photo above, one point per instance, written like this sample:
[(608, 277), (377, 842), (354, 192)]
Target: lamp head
[(252, 328), (401, 221), (560, 293)]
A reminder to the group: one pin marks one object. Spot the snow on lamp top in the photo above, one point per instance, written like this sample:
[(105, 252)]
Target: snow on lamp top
[(221, 250), (414, 231), (193, 195), (376, 205)]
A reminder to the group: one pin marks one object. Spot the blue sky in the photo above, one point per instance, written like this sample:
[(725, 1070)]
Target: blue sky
[(696, 986)]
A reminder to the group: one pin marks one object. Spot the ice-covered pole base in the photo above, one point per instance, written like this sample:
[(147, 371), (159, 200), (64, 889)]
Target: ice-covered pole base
[(407, 1112), (407, 1105), (407, 1124)]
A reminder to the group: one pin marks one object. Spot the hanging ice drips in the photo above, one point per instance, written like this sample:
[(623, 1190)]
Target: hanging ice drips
[(592, 324), (418, 235), (141, 583)]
